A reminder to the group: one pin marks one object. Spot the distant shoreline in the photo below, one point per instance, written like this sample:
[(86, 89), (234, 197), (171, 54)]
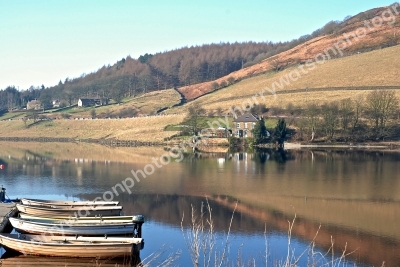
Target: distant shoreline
[(377, 145)]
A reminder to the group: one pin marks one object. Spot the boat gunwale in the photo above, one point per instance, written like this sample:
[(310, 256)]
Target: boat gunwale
[(43, 202), (93, 208)]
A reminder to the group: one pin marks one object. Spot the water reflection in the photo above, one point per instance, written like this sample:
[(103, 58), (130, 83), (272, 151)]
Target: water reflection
[(20, 260), (354, 195)]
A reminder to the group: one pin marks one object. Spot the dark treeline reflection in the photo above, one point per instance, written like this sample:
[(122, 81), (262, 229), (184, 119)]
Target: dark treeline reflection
[(170, 209)]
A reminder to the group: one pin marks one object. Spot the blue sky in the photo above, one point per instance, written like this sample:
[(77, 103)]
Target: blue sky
[(43, 41)]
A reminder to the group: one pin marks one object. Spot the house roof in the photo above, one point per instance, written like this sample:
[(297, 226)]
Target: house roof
[(246, 118), (89, 100)]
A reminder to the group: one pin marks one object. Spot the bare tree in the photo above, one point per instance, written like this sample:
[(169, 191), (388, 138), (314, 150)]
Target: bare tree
[(382, 106), (33, 114), (276, 64), (312, 115), (358, 109), (193, 117), (214, 86), (346, 113), (330, 115)]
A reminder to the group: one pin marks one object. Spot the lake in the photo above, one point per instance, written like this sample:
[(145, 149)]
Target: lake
[(338, 199)]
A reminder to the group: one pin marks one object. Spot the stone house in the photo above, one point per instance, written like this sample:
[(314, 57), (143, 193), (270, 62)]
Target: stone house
[(243, 125), (34, 104)]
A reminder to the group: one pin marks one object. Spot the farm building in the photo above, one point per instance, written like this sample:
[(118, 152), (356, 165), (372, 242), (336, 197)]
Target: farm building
[(89, 102)]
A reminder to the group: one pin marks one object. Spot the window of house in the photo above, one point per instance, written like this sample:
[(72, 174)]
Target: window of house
[(245, 125), (238, 125)]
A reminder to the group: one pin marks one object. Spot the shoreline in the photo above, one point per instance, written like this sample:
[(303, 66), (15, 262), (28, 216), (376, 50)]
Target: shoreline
[(219, 145), (366, 145)]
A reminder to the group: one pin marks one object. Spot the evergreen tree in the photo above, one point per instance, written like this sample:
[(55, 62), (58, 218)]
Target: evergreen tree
[(280, 132), (260, 132)]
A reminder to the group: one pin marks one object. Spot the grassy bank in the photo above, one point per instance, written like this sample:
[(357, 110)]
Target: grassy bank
[(145, 129)]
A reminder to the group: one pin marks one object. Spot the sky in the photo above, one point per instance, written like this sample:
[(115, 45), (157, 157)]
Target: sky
[(45, 41)]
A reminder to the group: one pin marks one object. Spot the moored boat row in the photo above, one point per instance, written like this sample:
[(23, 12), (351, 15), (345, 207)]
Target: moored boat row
[(74, 229)]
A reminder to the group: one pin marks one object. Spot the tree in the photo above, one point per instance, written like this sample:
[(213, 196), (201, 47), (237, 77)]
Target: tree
[(93, 113), (382, 106), (346, 112), (259, 109), (278, 65), (330, 115), (358, 109), (117, 92), (33, 114), (68, 96), (45, 99), (214, 86), (194, 113), (280, 132), (260, 132), (312, 115), (231, 80)]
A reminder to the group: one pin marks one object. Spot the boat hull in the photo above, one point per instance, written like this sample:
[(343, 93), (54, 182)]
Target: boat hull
[(68, 248), (113, 219), (88, 229), (48, 203), (84, 211)]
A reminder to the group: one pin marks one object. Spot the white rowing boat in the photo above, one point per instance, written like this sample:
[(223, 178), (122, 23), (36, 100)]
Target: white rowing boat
[(72, 228), (86, 247), (83, 211), (122, 219), (43, 202)]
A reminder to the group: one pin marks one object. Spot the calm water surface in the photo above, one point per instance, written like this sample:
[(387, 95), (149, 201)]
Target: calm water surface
[(348, 197)]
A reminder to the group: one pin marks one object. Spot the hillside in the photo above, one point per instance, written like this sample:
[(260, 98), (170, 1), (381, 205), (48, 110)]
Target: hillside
[(375, 38), (347, 77), (336, 79), (144, 129)]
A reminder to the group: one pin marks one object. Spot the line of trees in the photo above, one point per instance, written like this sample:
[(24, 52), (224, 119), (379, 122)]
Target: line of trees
[(12, 98), (374, 117)]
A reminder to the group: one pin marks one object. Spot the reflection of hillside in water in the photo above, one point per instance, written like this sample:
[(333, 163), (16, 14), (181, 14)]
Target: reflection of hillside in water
[(169, 209), (20, 260)]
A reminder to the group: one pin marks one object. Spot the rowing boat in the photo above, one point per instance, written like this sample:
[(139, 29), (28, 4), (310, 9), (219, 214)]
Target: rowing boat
[(136, 218), (83, 247), (72, 228), (83, 211), (43, 202)]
